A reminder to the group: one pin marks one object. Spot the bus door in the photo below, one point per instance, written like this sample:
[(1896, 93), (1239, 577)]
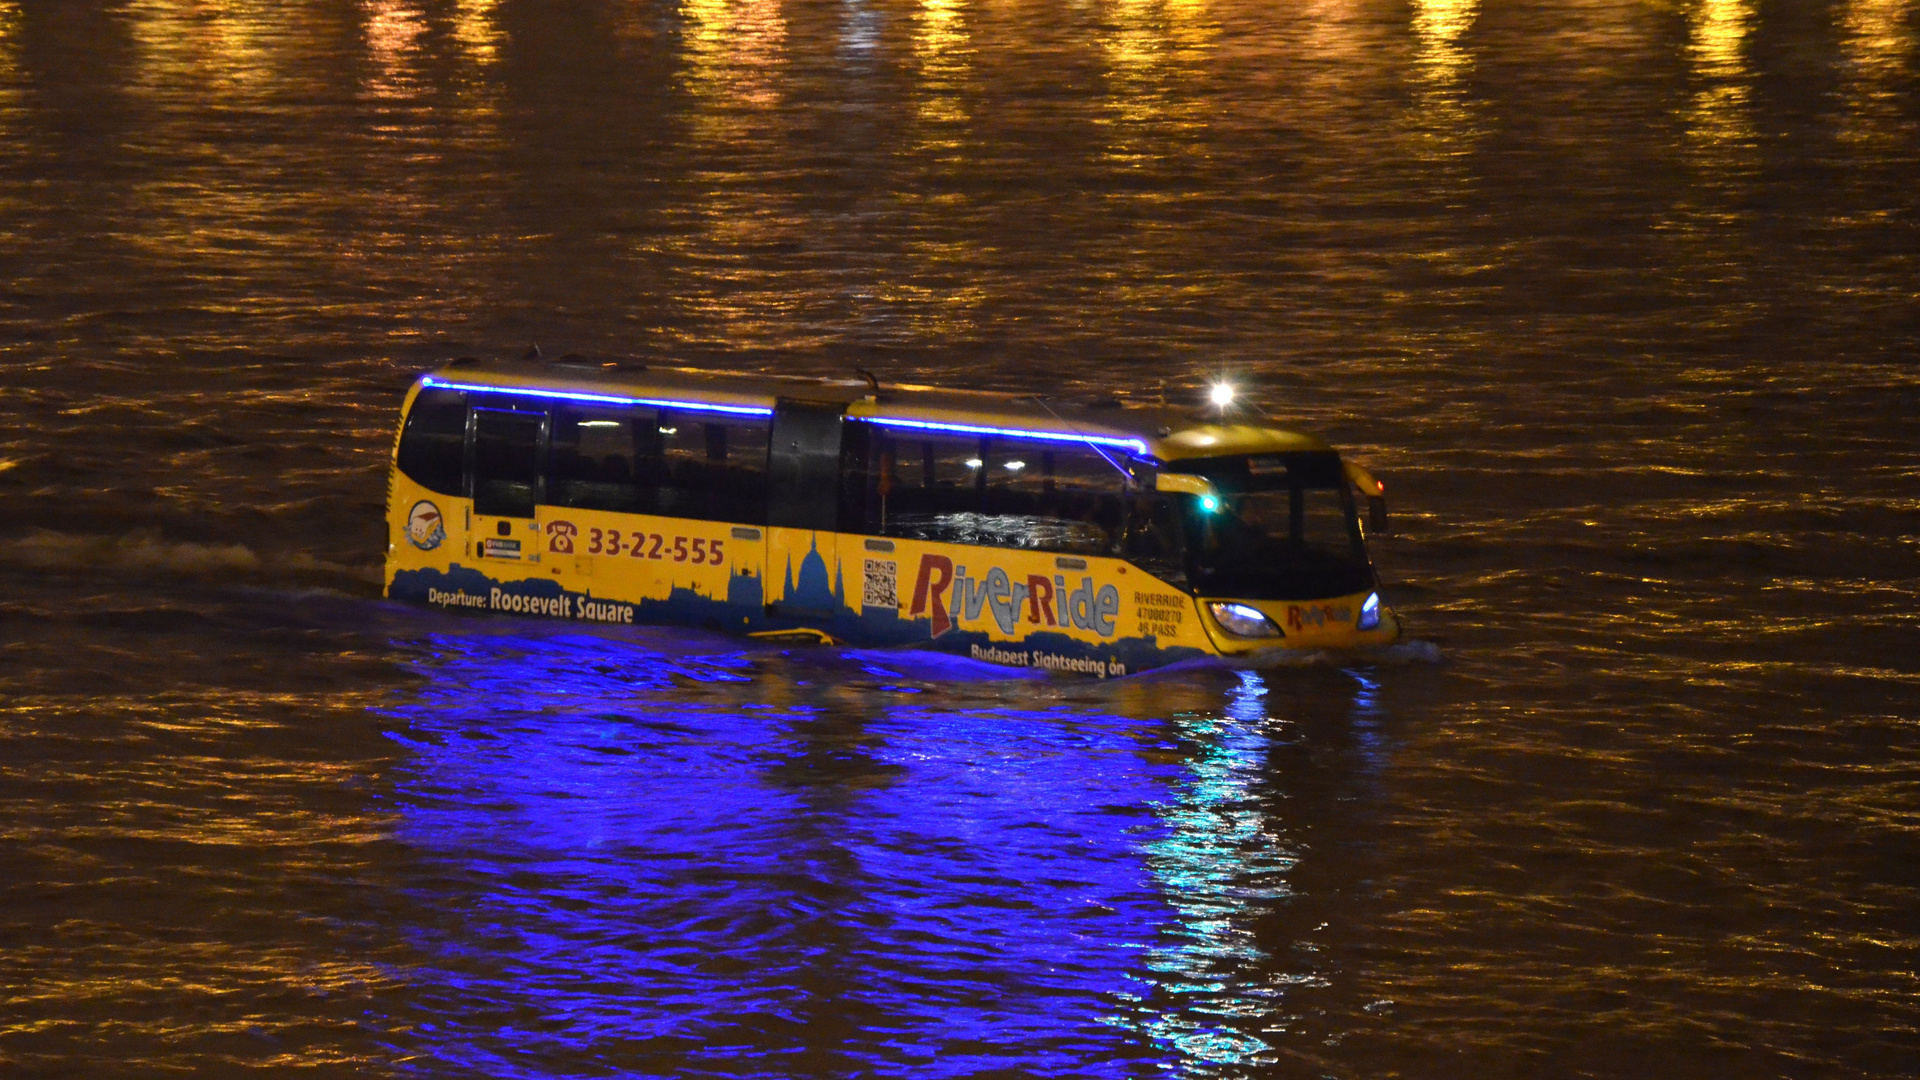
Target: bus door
[(803, 573), (504, 472)]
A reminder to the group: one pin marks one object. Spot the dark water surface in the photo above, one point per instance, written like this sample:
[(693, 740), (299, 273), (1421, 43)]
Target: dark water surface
[(1621, 297)]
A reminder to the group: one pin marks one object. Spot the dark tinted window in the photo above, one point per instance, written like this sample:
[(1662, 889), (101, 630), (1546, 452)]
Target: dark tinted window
[(805, 465), (677, 463), (1156, 538), (712, 466), (605, 459), (506, 462), (433, 442)]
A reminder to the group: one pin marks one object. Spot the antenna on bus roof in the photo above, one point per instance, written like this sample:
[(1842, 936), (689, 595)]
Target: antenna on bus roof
[(1042, 402), (873, 381), (531, 356)]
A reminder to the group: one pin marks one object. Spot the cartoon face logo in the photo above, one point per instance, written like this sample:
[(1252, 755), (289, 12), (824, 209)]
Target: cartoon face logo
[(560, 536), (426, 529)]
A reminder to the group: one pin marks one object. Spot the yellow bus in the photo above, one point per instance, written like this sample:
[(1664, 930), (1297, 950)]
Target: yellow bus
[(1099, 538)]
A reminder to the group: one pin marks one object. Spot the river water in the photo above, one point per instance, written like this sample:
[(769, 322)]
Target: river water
[(1618, 296)]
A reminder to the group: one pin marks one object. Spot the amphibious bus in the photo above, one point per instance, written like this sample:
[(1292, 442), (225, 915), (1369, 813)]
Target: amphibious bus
[(1103, 538)]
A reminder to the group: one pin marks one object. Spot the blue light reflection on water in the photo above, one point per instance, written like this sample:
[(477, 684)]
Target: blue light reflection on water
[(1220, 862), (655, 863)]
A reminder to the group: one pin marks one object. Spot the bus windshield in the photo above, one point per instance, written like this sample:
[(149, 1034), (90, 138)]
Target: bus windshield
[(1285, 528)]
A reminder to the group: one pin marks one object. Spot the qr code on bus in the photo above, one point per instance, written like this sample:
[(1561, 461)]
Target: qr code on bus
[(881, 590)]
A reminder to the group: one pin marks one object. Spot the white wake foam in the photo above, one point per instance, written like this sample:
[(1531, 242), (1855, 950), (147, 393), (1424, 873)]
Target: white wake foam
[(144, 552), (139, 551)]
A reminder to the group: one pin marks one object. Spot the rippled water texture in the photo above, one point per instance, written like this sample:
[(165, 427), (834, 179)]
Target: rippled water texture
[(1619, 296)]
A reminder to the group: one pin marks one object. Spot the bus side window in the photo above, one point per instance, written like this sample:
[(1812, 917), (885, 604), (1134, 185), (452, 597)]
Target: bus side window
[(1072, 493), (601, 457), (740, 488), (860, 483), (999, 492), (933, 488), (712, 467), (433, 442), (1155, 537), (506, 462), (869, 477)]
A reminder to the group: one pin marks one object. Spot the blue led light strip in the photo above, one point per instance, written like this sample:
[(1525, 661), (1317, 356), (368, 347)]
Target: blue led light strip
[(1135, 445), (602, 399)]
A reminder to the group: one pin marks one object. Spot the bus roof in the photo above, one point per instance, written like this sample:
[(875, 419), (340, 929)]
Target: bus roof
[(1157, 432)]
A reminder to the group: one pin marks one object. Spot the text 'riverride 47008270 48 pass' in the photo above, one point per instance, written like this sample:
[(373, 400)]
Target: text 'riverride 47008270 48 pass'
[(1102, 538)]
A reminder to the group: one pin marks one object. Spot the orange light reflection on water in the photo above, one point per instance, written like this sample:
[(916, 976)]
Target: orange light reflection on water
[(394, 29), (1718, 120), (476, 30), (1442, 65), (1155, 51), (9, 73), (734, 58), (1878, 43), (9, 31), (942, 47), (212, 47), (734, 52)]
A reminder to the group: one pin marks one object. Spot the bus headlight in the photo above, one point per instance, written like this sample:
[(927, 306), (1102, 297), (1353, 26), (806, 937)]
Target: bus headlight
[(1243, 621), (1369, 613)]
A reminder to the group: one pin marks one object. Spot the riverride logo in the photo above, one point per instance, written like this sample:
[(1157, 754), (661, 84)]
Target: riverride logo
[(1299, 617), (949, 596), (426, 529)]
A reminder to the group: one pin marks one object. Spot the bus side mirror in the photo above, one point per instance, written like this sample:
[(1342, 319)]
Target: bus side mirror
[(1376, 493)]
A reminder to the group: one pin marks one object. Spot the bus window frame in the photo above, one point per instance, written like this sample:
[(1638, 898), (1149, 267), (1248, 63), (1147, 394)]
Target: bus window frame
[(460, 489), (541, 452)]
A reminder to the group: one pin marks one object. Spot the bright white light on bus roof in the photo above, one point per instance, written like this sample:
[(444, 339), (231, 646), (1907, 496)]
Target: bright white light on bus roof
[(669, 431), (1221, 394), (1016, 466), (974, 463), (599, 423)]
